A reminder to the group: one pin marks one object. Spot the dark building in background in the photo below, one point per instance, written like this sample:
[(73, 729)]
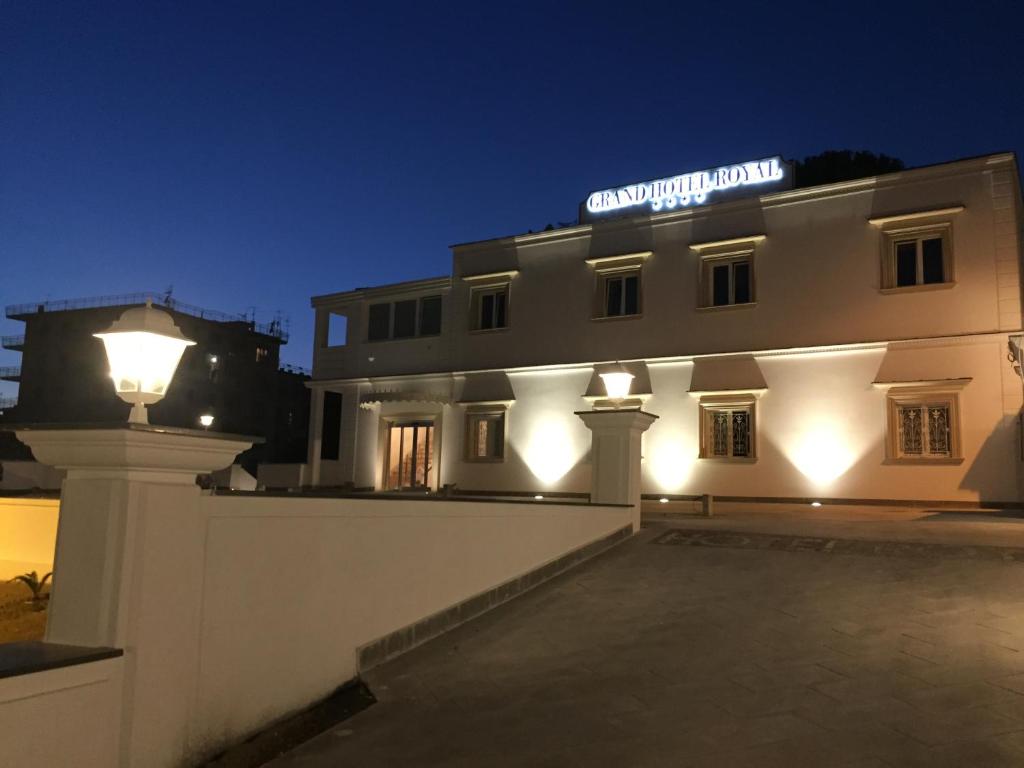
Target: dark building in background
[(233, 372)]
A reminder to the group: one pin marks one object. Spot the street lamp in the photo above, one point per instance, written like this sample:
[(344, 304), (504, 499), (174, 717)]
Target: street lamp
[(617, 381), (143, 347)]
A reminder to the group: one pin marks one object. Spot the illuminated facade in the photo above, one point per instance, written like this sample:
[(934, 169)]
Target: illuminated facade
[(847, 341)]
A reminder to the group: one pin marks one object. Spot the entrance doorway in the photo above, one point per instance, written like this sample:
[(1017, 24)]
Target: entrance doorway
[(410, 461)]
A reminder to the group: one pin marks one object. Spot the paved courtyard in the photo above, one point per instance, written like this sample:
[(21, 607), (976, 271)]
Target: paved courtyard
[(788, 637)]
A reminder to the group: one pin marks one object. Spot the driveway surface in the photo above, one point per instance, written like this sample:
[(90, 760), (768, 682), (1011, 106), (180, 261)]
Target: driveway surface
[(782, 638)]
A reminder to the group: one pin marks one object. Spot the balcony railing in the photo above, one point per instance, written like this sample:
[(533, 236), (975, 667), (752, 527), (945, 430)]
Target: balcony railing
[(15, 343), (274, 328), (10, 373), (7, 402)]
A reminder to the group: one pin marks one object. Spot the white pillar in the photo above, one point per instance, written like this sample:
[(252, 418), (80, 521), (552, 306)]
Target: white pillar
[(316, 434), (615, 456), (129, 563)]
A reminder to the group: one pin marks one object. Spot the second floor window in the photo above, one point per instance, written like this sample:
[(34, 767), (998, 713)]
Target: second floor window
[(621, 293), (490, 308), (728, 281), (919, 261), (404, 319)]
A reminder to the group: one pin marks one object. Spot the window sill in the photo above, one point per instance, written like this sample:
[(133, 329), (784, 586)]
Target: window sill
[(916, 288), (604, 318), (484, 461), (404, 338), (947, 462), (731, 459), (478, 331), (720, 307)]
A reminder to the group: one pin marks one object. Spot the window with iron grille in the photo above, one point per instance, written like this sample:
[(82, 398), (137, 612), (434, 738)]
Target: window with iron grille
[(727, 428), (485, 434), (923, 425)]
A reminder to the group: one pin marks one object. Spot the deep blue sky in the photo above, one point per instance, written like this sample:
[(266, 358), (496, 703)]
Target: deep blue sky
[(255, 154)]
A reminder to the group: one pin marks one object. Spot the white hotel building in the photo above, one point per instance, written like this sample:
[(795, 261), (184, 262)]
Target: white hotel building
[(852, 340)]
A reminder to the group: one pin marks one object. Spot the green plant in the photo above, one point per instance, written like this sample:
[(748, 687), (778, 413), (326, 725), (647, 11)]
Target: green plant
[(34, 583)]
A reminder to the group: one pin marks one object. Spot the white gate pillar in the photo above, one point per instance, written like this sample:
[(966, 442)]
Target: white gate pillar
[(615, 456), (129, 565)]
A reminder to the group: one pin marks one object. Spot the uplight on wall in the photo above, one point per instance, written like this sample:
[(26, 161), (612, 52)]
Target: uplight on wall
[(143, 348), (206, 420), (617, 381)]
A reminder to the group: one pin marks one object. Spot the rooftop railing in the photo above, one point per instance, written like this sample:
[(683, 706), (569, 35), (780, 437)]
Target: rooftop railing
[(10, 373), (274, 328), (12, 342), (8, 402), (296, 369)]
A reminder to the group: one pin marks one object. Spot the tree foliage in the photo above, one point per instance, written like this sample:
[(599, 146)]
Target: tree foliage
[(843, 165)]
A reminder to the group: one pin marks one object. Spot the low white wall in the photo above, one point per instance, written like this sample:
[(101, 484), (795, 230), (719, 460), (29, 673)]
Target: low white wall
[(293, 586), (28, 532), (62, 717), (282, 475)]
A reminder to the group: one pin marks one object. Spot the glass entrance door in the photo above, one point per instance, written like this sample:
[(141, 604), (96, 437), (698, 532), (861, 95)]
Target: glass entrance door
[(410, 456)]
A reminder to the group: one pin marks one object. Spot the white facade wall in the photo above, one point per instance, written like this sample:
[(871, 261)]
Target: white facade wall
[(821, 330)]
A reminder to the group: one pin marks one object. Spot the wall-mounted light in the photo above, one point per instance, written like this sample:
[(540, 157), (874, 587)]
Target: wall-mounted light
[(143, 347), (617, 381)]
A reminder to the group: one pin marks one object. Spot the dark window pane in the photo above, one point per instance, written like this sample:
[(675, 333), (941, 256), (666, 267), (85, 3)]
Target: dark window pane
[(741, 281), (931, 256), (499, 310), (380, 319), (613, 305), (906, 263), (632, 295), (405, 319), (430, 316), (720, 285), (331, 435), (487, 310), (496, 438)]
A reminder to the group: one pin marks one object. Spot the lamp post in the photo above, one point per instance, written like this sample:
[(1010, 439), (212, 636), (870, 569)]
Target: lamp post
[(143, 347)]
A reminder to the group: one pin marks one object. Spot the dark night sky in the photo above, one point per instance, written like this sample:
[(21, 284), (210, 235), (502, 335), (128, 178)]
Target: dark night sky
[(255, 154)]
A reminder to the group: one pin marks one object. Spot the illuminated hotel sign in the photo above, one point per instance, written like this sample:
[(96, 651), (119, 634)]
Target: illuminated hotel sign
[(686, 189)]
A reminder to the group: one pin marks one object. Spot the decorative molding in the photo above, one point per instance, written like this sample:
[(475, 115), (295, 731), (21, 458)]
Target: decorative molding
[(620, 260), (914, 216), (502, 277), (929, 383), (750, 240)]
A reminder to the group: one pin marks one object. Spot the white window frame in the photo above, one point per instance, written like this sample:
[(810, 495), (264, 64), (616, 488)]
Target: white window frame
[(477, 294), (893, 237), (474, 414), (604, 277), (730, 260), (709, 405), (922, 397), (418, 334)]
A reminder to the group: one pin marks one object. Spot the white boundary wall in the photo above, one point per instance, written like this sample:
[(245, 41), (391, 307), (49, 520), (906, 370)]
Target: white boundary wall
[(292, 587)]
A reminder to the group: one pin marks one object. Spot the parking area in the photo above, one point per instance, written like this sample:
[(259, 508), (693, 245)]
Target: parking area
[(759, 637)]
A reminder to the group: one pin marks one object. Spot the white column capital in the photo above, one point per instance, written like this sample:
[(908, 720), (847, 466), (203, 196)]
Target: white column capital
[(134, 451), (629, 419)]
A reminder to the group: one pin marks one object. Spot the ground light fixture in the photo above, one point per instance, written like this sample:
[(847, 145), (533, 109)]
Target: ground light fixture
[(143, 347), (206, 420), (663, 500), (617, 381), (538, 497), (815, 503)]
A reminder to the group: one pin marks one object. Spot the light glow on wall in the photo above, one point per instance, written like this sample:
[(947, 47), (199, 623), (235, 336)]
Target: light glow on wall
[(549, 451), (670, 460), (823, 452)]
